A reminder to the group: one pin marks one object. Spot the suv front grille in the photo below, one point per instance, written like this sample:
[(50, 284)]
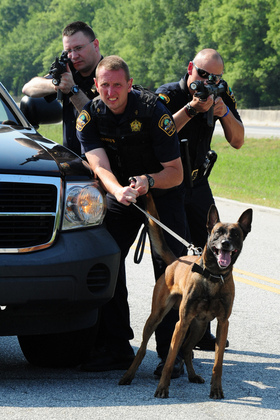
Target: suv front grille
[(26, 197), (28, 212)]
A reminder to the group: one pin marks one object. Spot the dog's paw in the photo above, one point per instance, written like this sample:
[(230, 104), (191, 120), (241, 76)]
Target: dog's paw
[(216, 393), (125, 380), (196, 379), (162, 392)]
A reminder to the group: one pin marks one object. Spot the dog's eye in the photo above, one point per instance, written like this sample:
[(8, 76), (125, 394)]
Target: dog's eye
[(220, 231), (234, 233)]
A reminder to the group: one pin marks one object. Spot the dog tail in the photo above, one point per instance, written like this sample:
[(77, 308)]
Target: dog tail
[(156, 234)]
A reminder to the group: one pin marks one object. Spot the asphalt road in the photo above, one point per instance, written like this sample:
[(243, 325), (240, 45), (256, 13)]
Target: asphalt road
[(255, 131), (251, 376)]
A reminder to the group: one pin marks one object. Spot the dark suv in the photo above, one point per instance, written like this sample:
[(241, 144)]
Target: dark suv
[(58, 263)]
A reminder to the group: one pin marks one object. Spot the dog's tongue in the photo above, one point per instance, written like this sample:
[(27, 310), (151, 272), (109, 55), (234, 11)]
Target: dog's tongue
[(224, 258)]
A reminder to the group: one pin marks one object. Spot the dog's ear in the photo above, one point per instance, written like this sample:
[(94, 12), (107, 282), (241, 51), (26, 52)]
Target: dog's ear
[(212, 218), (245, 221)]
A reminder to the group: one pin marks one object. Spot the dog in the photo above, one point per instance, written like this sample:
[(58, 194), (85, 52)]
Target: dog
[(202, 287)]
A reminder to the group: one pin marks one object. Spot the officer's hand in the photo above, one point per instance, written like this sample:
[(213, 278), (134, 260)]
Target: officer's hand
[(202, 105), (126, 195), (140, 183), (66, 82), (219, 108)]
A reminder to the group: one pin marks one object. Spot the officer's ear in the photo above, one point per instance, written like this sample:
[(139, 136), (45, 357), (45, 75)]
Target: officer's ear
[(130, 84), (190, 68), (96, 84)]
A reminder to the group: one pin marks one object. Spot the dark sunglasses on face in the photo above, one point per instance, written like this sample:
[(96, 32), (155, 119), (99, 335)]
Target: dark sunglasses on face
[(205, 75)]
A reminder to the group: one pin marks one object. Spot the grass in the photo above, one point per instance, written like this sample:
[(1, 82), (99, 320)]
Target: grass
[(250, 174), (52, 131)]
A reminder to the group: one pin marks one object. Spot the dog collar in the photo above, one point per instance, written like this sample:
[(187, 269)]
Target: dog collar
[(206, 273)]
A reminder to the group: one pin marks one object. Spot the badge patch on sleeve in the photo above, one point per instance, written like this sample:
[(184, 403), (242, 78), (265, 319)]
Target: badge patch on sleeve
[(231, 95), (164, 98), (82, 120), (167, 125)]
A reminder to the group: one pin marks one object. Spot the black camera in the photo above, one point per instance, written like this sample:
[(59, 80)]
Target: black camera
[(203, 90), (58, 67)]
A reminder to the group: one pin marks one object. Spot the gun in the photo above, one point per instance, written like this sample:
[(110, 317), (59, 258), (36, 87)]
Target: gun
[(205, 90), (58, 67)]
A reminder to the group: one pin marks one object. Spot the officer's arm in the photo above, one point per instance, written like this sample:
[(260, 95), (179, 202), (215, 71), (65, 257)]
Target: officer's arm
[(170, 176), (38, 87), (79, 100), (100, 165), (233, 128), (184, 115)]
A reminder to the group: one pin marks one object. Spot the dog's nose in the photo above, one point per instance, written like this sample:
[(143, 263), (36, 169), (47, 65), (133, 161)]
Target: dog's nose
[(226, 244)]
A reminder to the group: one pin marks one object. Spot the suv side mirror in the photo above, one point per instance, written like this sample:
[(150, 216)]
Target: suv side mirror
[(39, 111)]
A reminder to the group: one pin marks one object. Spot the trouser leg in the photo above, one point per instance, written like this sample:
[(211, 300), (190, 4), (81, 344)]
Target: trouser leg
[(123, 223), (171, 212)]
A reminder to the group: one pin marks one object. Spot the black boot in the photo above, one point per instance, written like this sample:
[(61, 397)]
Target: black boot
[(208, 341)]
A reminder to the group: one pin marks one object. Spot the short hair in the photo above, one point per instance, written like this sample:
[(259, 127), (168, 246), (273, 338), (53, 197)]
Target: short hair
[(113, 62), (79, 26)]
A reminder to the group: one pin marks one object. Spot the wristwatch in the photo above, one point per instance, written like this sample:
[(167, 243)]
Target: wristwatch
[(74, 90), (190, 110), (151, 180)]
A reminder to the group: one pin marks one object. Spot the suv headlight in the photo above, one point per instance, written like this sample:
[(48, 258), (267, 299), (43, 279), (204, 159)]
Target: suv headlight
[(84, 205)]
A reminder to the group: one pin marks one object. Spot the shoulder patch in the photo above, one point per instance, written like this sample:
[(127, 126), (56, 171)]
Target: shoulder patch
[(164, 98), (82, 120), (167, 125), (231, 95)]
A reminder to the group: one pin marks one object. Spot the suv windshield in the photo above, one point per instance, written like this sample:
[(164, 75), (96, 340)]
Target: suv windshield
[(6, 115)]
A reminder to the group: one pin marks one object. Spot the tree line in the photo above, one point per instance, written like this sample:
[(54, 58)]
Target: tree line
[(157, 38)]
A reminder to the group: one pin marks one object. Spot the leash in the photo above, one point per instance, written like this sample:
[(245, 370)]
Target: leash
[(190, 247)]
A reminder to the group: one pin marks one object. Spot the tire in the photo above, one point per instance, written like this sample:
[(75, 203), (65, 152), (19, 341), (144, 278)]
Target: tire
[(58, 350)]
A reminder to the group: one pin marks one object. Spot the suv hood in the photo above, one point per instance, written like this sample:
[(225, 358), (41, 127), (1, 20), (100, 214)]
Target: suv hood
[(27, 152)]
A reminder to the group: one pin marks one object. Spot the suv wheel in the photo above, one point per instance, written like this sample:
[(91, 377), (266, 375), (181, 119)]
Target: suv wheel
[(58, 350)]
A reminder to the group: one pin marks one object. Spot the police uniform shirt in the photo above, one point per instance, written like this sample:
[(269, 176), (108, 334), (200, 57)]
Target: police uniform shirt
[(163, 133), (198, 133)]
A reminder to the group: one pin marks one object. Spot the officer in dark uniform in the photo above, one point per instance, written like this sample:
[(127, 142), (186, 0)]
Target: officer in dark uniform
[(195, 134), (130, 141), (77, 83)]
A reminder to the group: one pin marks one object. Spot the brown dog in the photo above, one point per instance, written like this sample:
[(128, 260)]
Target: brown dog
[(203, 289)]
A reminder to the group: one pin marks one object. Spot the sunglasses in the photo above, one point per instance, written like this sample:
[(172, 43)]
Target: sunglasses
[(205, 75)]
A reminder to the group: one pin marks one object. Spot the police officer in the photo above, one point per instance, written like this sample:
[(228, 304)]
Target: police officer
[(130, 141), (190, 115), (77, 83)]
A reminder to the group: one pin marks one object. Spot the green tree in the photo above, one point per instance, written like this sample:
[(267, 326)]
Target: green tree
[(151, 35), (175, 45), (238, 30), (130, 33), (269, 71), (157, 38), (32, 44)]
